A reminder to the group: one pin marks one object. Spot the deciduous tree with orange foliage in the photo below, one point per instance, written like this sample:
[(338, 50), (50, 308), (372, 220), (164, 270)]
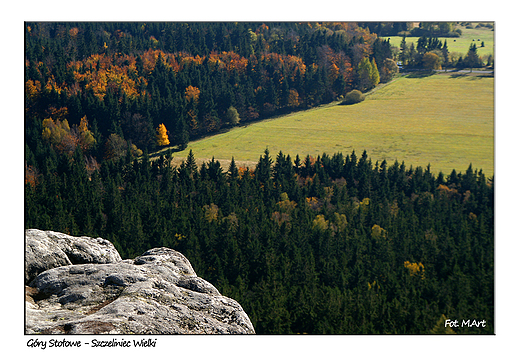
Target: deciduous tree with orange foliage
[(31, 175), (294, 98), (162, 135), (192, 94), (32, 89)]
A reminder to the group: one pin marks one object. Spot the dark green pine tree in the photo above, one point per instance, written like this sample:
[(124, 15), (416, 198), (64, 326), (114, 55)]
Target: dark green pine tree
[(264, 168), (445, 55), (232, 172), (191, 164), (472, 60)]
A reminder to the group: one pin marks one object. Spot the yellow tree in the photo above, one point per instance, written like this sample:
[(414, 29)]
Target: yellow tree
[(58, 132), (378, 232), (211, 212), (86, 137), (55, 130), (374, 73), (162, 135), (415, 268), (431, 61), (320, 223), (294, 98), (192, 94), (32, 89)]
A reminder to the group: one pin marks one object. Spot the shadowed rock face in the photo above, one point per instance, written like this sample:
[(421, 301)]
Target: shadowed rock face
[(155, 293)]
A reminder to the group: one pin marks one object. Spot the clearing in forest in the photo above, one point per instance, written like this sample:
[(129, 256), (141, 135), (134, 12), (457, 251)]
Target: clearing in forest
[(444, 120)]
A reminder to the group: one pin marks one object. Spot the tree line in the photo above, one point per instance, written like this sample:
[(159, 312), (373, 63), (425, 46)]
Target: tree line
[(430, 53), (439, 29)]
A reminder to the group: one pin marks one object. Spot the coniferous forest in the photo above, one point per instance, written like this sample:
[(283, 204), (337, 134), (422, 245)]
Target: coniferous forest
[(335, 244)]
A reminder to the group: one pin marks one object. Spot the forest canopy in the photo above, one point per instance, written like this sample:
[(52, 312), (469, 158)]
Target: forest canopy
[(335, 245)]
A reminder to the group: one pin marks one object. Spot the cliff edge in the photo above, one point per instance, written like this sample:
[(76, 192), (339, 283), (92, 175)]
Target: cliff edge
[(80, 285)]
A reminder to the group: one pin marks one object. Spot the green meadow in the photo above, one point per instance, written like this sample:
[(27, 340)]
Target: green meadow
[(460, 44), (443, 120)]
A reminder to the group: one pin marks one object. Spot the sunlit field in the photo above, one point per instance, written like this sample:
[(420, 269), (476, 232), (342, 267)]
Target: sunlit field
[(460, 44), (443, 120)]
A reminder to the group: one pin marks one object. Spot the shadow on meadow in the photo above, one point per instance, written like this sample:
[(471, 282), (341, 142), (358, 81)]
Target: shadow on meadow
[(421, 74), (472, 76)]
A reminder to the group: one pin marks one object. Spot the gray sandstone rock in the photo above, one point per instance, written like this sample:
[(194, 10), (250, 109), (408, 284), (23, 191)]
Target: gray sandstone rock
[(155, 293), (46, 250)]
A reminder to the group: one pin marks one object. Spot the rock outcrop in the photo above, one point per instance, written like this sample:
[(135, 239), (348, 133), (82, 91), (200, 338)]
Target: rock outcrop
[(47, 250), (80, 285)]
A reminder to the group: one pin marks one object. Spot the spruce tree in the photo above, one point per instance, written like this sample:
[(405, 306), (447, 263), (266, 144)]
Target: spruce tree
[(232, 170), (191, 164)]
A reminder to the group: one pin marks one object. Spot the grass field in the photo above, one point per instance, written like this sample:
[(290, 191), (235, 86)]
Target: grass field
[(461, 44), (443, 120)]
